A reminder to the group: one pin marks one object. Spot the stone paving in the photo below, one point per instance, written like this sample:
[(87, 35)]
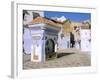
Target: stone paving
[(76, 59)]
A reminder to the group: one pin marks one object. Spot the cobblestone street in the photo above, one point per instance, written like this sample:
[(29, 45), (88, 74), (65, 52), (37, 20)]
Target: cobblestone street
[(76, 59)]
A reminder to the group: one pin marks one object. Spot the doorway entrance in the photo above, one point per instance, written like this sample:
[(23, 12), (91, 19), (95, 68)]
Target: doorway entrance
[(49, 48)]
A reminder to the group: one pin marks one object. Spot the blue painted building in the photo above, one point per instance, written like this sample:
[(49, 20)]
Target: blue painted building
[(40, 38)]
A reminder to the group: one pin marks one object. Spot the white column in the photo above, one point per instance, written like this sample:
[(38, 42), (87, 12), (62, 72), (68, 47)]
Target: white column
[(36, 53)]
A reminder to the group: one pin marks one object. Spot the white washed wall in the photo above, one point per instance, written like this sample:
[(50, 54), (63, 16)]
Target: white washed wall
[(85, 36), (27, 41)]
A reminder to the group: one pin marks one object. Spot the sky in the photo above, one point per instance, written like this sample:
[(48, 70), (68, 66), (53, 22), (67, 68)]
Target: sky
[(73, 16)]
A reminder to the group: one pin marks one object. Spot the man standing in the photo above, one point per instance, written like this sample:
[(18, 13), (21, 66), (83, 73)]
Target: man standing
[(72, 40)]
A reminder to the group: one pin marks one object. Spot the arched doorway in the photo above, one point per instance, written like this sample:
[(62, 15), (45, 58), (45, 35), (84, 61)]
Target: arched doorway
[(49, 48)]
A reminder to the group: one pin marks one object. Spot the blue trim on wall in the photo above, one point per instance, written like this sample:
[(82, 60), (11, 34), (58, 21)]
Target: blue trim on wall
[(51, 30)]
